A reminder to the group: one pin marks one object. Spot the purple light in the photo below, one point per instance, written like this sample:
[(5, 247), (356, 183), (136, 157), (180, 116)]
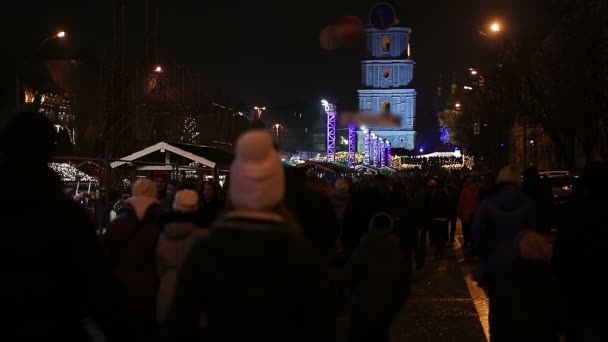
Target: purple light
[(376, 152), (389, 154), (330, 110), (382, 153), (352, 144), (366, 151)]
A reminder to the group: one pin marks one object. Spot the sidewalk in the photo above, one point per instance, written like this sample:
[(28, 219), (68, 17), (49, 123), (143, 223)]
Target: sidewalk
[(445, 305)]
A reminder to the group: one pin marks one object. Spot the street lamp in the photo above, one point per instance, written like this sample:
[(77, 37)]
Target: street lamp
[(158, 69), (495, 27), (58, 35), (457, 105), (276, 128), (259, 110)]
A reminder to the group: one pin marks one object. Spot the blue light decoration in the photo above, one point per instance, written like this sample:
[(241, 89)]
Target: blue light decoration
[(352, 144), (366, 148), (375, 150), (330, 110), (445, 135), (382, 152), (389, 154)]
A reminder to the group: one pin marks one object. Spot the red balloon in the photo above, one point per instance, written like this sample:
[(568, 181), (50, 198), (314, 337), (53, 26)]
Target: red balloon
[(350, 29)]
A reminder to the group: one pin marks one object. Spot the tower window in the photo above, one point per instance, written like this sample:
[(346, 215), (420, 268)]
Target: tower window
[(386, 73), (386, 107), (386, 44)]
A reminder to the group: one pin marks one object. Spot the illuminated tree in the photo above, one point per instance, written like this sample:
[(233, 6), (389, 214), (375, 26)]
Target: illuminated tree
[(190, 133)]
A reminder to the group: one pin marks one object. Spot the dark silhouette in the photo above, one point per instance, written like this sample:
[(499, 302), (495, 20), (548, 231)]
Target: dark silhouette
[(55, 278)]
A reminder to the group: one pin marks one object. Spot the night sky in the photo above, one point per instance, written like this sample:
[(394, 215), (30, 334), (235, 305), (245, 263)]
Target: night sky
[(268, 52)]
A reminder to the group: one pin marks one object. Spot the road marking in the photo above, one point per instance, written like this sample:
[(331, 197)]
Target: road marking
[(478, 295)]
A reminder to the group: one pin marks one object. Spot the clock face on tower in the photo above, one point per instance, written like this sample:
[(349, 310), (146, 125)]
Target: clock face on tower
[(382, 16)]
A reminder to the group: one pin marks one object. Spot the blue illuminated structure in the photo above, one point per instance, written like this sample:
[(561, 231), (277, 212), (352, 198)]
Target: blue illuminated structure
[(352, 144), (386, 73), (389, 154), (330, 110), (445, 135), (366, 148)]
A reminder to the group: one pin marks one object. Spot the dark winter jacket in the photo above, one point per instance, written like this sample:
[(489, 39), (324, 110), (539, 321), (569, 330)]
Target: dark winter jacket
[(54, 274), (252, 279), (180, 230), (131, 245), (498, 222), (379, 275)]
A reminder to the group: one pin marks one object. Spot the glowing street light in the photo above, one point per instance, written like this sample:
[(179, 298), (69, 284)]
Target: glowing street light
[(495, 27), (158, 69), (468, 88), (259, 110), (473, 72), (276, 128), (58, 35), (457, 105)]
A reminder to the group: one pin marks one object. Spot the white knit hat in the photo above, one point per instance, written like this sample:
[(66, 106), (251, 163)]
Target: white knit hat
[(257, 182), (185, 201), (144, 187)]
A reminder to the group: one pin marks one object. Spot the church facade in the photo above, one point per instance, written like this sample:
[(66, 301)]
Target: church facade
[(386, 74)]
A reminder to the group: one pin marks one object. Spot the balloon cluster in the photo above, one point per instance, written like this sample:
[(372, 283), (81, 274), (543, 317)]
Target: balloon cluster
[(346, 32)]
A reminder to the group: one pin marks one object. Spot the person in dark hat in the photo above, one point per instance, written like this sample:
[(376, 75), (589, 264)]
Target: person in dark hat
[(56, 279)]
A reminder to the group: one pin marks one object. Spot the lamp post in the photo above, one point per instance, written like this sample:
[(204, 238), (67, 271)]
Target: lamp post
[(58, 35), (276, 127), (259, 111)]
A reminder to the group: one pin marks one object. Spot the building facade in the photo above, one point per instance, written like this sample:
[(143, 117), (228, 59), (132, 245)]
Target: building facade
[(386, 74)]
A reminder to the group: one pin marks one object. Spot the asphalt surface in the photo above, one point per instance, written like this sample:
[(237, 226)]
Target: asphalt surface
[(446, 303)]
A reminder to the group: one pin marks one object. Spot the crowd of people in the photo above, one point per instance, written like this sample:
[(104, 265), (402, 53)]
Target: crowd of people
[(277, 256)]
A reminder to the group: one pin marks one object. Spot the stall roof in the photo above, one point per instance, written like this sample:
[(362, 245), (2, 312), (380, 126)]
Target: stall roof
[(205, 155), (330, 167)]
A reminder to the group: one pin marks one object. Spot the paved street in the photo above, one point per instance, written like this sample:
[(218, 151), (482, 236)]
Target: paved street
[(446, 304)]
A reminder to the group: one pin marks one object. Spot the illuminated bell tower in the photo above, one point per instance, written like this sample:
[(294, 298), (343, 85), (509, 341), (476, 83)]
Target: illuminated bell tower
[(386, 73)]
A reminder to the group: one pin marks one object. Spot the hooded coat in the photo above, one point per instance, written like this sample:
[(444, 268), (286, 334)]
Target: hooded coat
[(131, 245), (179, 233)]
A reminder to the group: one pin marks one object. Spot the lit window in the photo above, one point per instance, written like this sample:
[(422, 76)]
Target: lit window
[(386, 74), (386, 44), (386, 107)]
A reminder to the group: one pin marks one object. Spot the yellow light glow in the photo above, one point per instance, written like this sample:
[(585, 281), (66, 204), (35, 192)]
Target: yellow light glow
[(457, 105), (158, 69), (60, 34), (495, 27)]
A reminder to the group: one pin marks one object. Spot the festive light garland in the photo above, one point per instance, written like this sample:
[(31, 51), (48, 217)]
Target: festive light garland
[(68, 173)]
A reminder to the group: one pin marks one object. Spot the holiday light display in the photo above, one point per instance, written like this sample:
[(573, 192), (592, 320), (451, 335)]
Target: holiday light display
[(376, 152), (68, 173), (389, 154), (330, 110), (382, 148), (366, 151), (190, 133), (352, 144)]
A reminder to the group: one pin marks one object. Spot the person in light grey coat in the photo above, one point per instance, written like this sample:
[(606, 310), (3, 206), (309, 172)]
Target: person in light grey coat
[(179, 232)]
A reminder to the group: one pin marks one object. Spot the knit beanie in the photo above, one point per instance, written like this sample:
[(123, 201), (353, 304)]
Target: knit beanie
[(258, 178), (185, 201), (381, 223), (144, 187)]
